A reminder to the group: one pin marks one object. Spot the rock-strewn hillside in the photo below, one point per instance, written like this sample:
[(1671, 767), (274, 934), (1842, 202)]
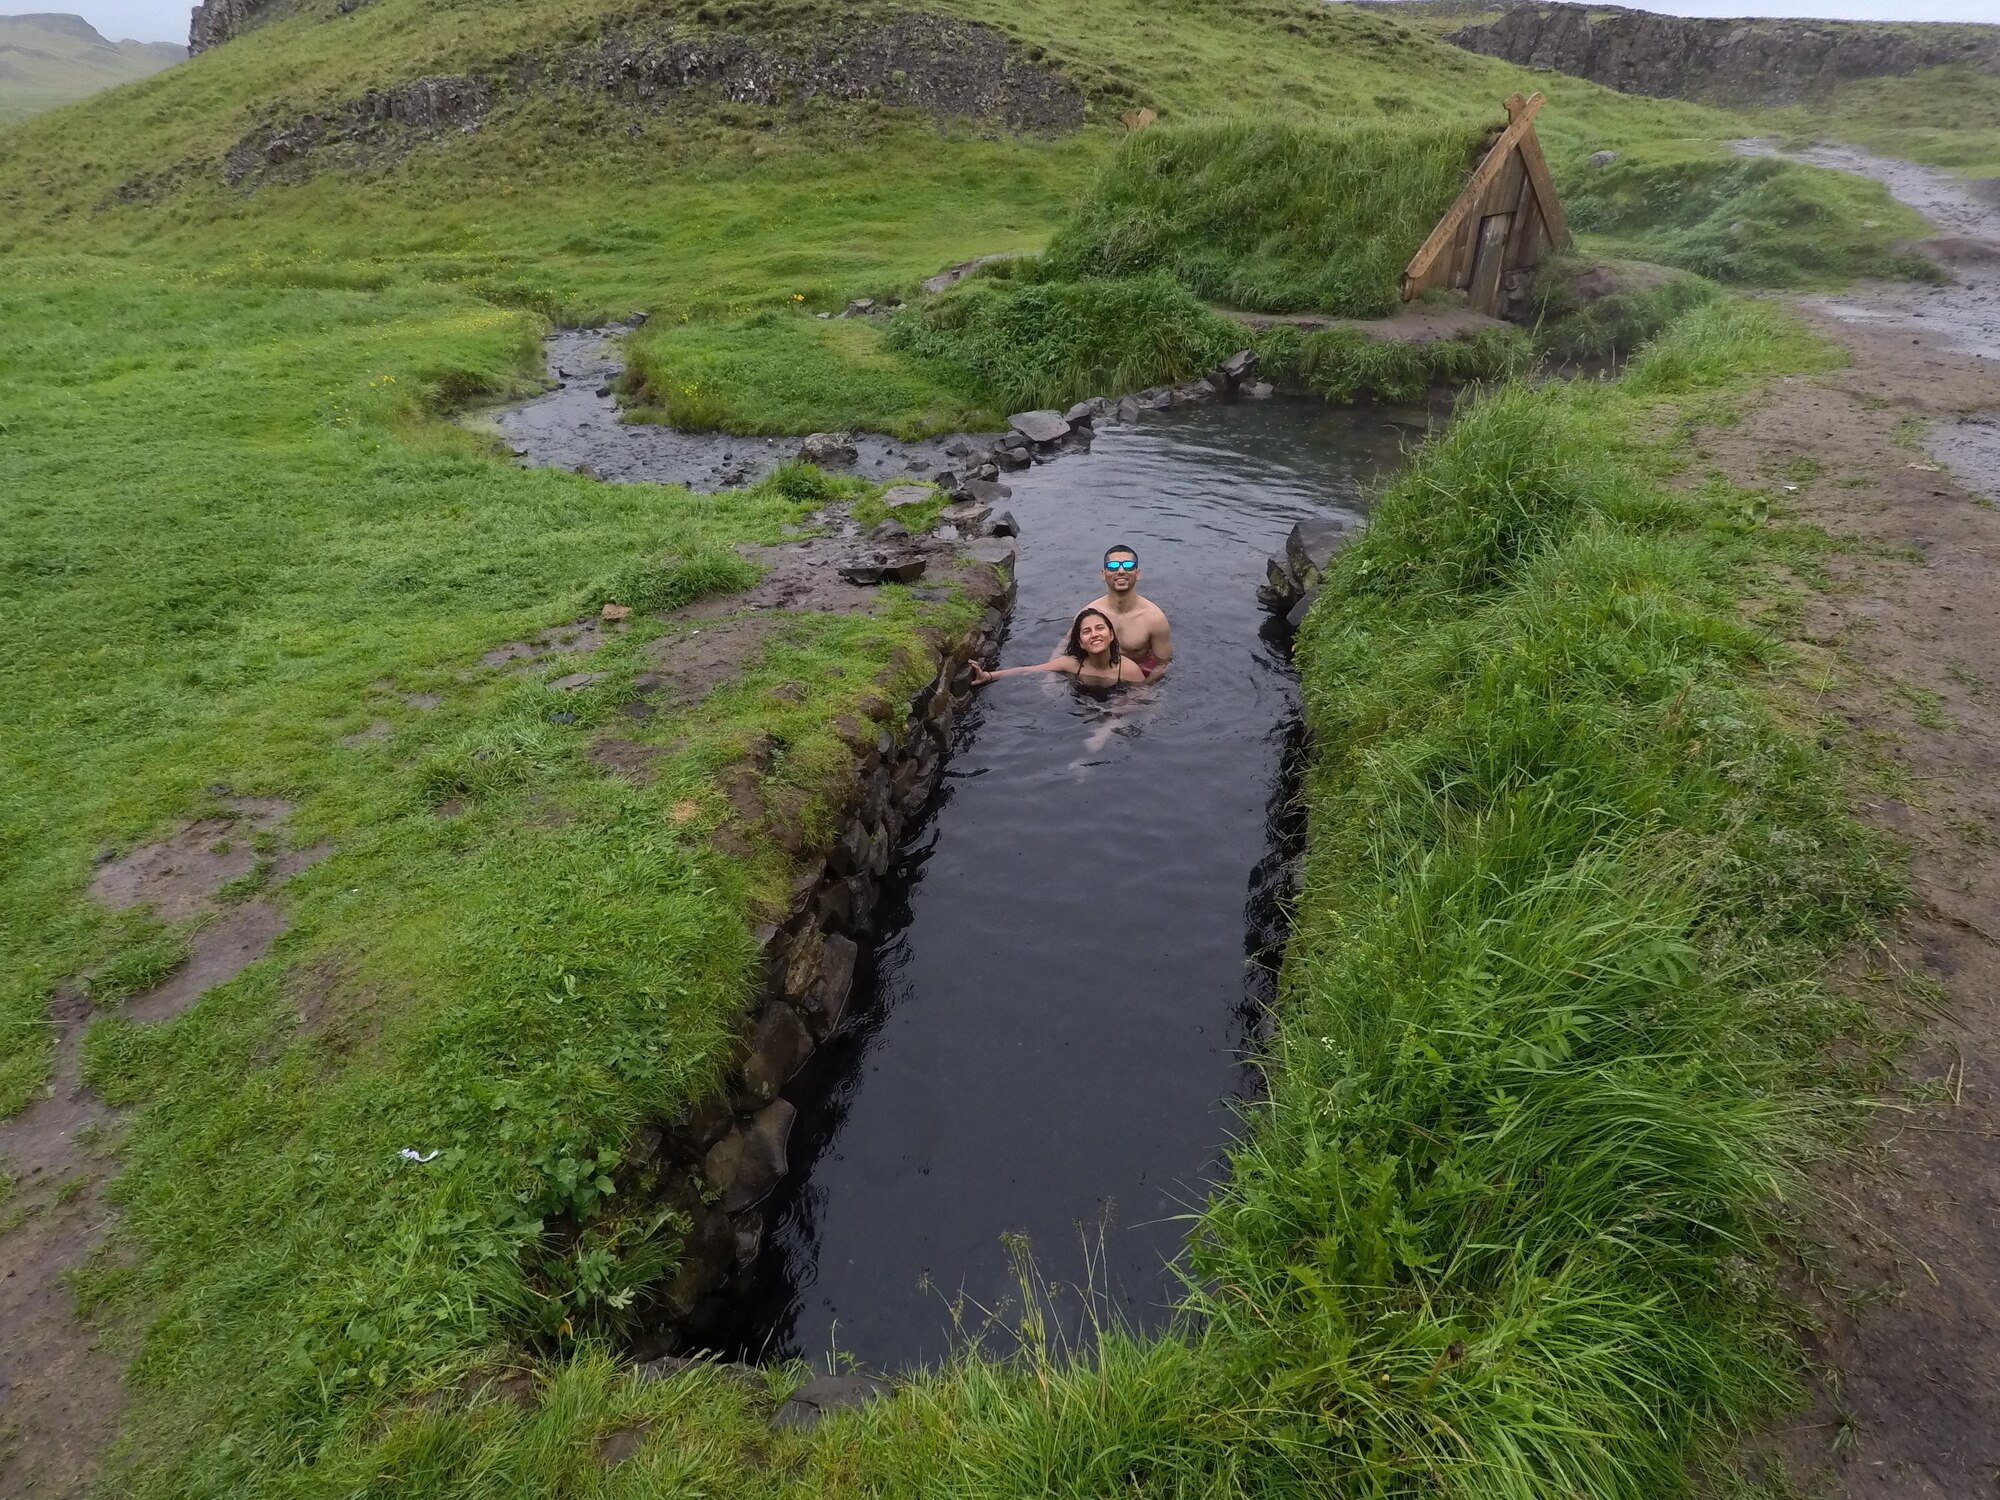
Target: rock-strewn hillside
[(1749, 61)]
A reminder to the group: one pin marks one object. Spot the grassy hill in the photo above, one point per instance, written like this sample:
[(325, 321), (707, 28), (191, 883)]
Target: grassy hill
[(47, 60), (239, 296)]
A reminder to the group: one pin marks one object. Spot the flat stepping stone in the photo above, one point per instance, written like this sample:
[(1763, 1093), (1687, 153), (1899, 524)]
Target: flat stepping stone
[(900, 570), (1040, 426), (898, 496), (967, 515)]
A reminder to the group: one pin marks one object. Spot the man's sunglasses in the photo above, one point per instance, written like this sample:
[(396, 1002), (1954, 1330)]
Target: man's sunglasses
[(1120, 565)]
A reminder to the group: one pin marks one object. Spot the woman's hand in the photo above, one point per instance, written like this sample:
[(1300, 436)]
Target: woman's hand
[(980, 676)]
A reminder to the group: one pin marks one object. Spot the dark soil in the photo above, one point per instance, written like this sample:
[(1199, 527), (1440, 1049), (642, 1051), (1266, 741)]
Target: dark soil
[(1906, 1393), (222, 950), (179, 876)]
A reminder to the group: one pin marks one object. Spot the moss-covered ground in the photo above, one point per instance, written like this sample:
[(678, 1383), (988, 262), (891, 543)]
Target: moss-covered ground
[(1499, 1232)]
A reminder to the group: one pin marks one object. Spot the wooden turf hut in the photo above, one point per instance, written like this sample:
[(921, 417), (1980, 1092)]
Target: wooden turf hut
[(1506, 219)]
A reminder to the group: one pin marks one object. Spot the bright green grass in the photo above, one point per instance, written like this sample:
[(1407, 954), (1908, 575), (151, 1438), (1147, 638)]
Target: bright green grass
[(1269, 217), (786, 371)]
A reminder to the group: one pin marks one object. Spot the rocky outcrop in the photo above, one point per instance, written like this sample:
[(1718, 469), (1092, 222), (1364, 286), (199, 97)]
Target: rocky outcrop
[(1638, 52), (1292, 578), (377, 129), (216, 21), (942, 66), (938, 64)]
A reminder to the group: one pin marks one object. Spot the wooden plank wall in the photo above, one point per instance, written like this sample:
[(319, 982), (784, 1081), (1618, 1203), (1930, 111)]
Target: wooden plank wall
[(1506, 218)]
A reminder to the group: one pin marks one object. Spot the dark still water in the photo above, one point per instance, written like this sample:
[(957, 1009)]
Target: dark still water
[(1056, 1013)]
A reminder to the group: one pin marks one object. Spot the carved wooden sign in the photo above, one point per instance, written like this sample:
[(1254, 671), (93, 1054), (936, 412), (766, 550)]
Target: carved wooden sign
[(1506, 218)]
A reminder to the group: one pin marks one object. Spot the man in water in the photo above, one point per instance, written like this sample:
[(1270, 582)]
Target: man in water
[(1140, 623)]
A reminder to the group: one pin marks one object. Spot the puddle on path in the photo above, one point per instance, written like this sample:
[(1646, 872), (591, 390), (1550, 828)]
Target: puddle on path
[(1962, 316), (1056, 1016)]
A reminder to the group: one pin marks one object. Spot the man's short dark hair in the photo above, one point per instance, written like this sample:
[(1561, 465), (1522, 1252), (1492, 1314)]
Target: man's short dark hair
[(1111, 552)]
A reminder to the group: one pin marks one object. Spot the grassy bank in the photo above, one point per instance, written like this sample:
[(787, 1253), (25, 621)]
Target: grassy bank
[(1551, 1051), (1741, 220), (1182, 220)]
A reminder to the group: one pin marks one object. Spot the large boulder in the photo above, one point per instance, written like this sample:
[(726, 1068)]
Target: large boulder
[(827, 449), (779, 1047)]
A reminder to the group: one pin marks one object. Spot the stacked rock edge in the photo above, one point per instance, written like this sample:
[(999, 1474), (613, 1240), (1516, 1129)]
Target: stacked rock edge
[(718, 1163), (1292, 578), (1767, 62)]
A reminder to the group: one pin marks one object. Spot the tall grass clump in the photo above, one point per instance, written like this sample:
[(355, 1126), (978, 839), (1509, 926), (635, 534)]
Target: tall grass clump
[(1050, 342), (1267, 216), (1549, 1051)]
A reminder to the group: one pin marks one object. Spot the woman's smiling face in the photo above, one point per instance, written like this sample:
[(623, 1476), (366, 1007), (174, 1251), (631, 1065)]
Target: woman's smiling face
[(1094, 635)]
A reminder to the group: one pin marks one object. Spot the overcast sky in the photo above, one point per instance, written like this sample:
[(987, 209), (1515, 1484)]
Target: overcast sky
[(166, 21)]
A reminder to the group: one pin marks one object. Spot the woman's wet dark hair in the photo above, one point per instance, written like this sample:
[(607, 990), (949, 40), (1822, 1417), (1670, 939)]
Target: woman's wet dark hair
[(1074, 647)]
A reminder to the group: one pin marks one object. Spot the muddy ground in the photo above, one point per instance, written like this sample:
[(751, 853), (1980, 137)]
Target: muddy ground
[(1901, 452), (61, 1390)]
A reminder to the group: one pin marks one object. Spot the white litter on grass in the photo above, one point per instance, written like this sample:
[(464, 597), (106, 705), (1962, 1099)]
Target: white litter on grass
[(422, 1158)]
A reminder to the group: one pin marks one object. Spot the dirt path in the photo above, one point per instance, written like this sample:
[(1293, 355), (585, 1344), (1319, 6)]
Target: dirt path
[(1901, 451)]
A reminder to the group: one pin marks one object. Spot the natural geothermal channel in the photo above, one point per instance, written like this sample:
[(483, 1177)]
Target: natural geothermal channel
[(1048, 1038)]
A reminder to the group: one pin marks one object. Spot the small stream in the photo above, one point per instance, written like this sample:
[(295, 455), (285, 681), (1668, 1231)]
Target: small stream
[(1050, 1035)]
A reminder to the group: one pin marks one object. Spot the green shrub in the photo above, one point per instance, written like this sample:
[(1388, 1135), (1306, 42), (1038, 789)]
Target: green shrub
[(1048, 343), (1266, 216), (1752, 221)]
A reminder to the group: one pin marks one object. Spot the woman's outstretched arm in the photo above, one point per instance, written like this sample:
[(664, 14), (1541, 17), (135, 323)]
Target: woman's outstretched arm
[(980, 676)]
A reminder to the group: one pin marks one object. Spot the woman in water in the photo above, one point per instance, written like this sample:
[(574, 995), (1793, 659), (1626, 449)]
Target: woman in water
[(1090, 655)]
